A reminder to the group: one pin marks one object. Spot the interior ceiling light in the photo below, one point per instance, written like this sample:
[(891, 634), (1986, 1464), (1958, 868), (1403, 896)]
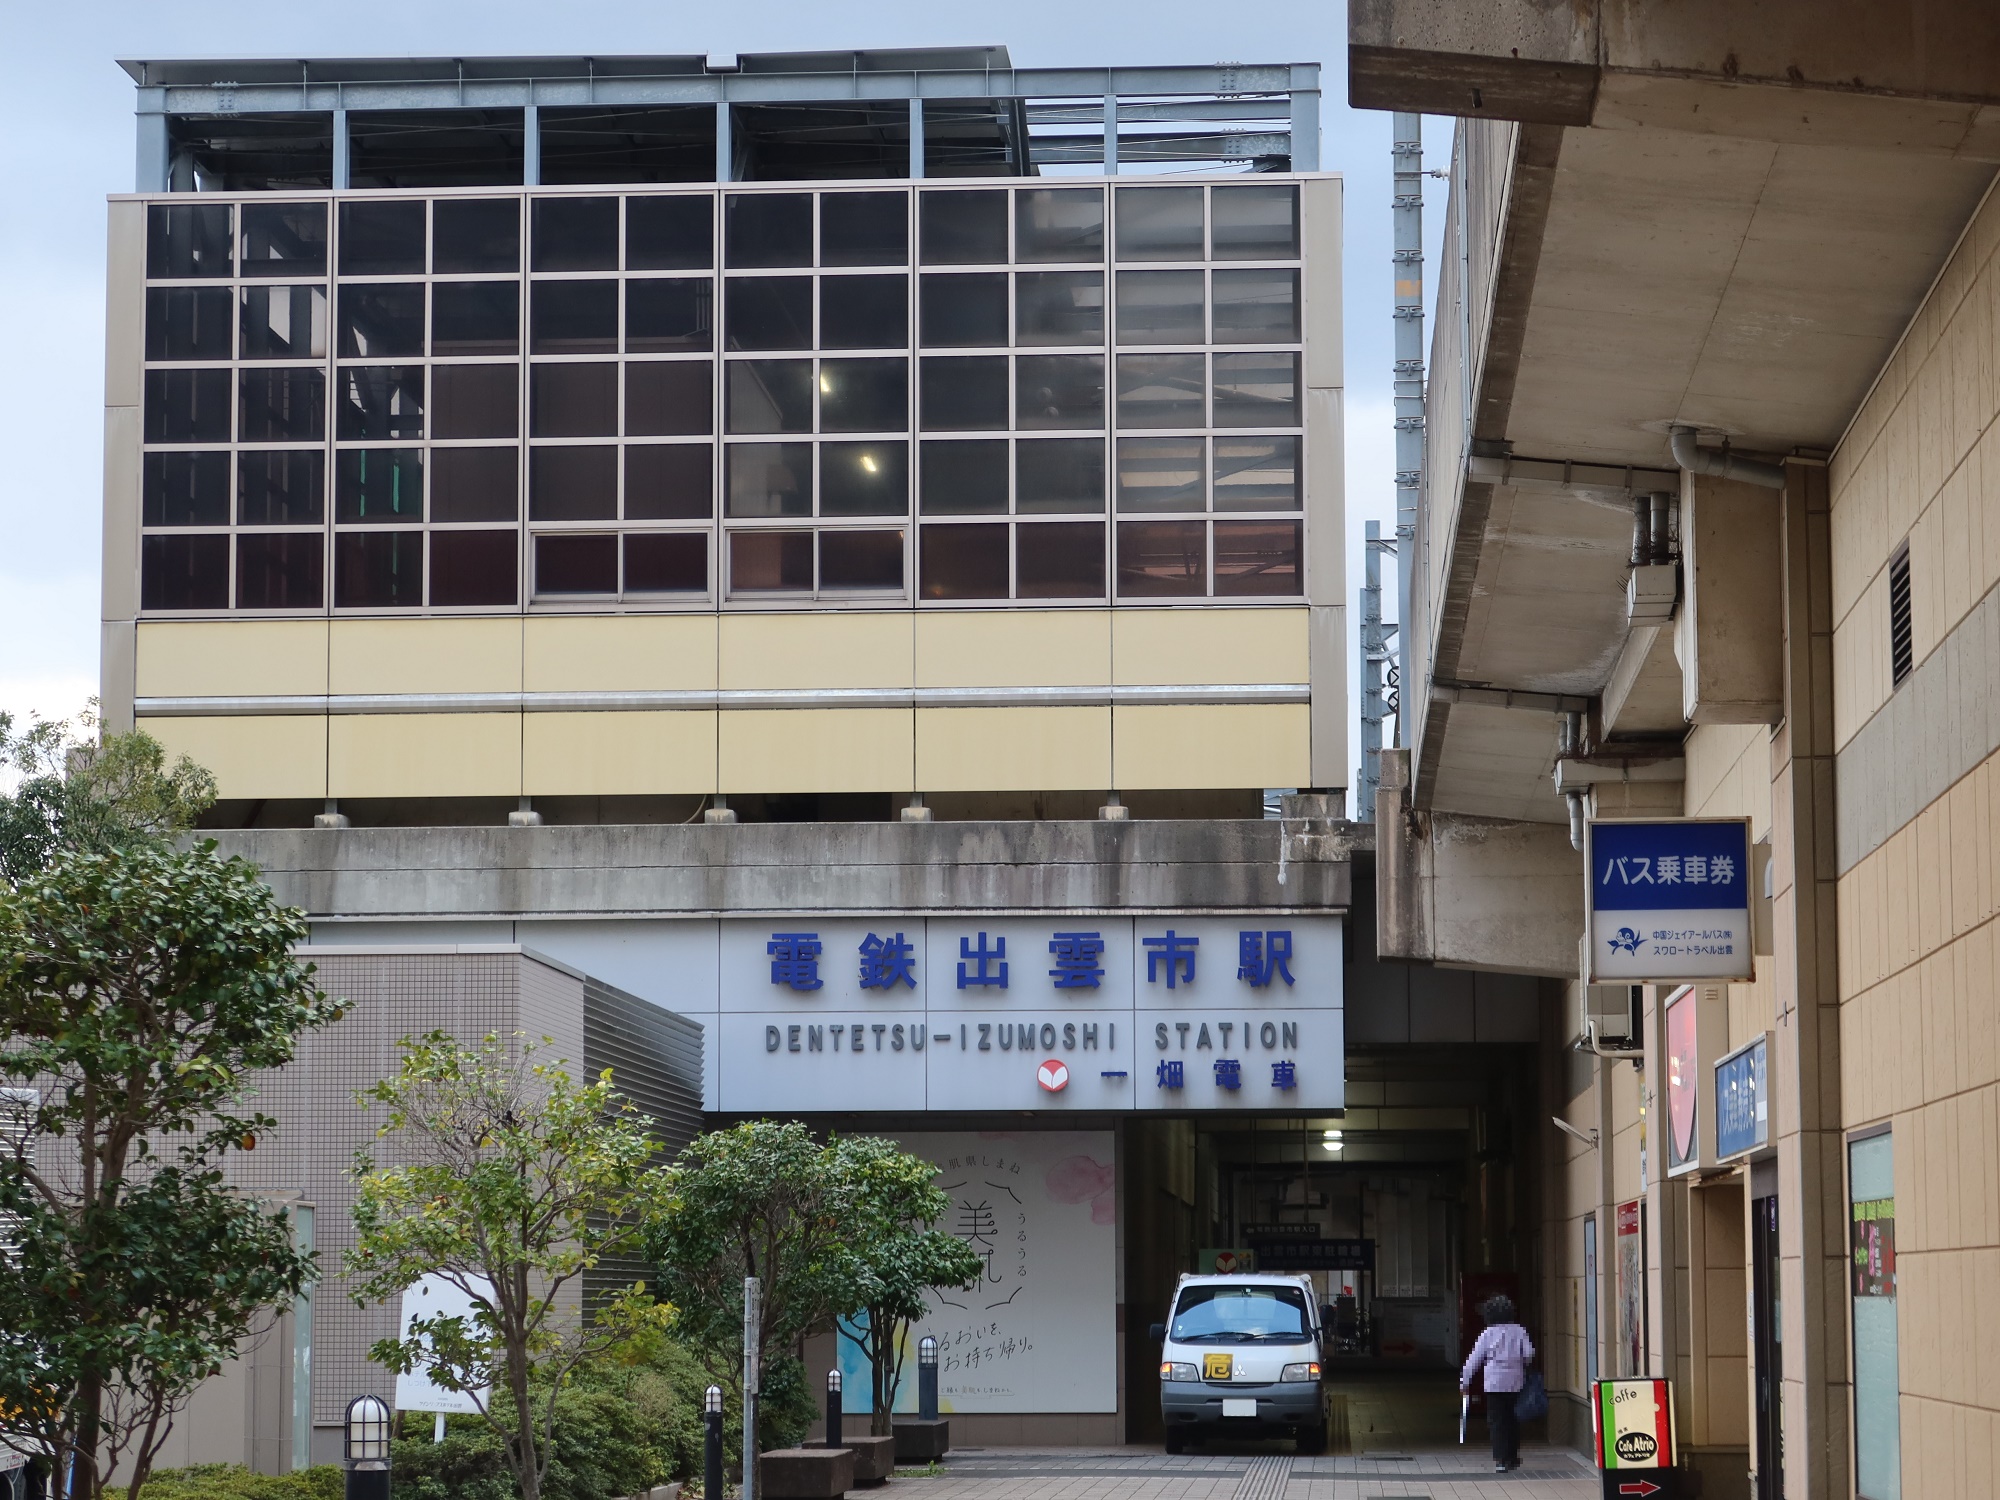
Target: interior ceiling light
[(868, 462), (825, 384)]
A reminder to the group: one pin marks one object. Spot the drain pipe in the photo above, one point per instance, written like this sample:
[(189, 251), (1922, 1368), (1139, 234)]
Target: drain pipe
[(1721, 462), (1569, 742)]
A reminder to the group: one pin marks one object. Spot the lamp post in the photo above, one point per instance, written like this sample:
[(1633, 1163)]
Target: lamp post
[(833, 1407), (712, 1456), (927, 1378), (366, 1444)]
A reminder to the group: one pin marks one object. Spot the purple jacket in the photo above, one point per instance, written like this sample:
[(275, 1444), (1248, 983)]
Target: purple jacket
[(1505, 1351)]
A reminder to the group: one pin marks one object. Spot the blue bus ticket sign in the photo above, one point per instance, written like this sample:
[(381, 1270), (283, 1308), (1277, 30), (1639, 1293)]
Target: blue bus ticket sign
[(1669, 901)]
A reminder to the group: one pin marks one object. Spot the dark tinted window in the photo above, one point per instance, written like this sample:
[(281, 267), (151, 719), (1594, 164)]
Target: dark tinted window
[(864, 479), (1254, 307), (964, 310), (665, 315), (285, 405), (1257, 557), (963, 478), (280, 570), (864, 312), (576, 234), (768, 229), (1161, 307), (1159, 223), (769, 312), (669, 482), (770, 395), (575, 317), (864, 395), (284, 322), (669, 234), (476, 317), (770, 560), (475, 484), (1162, 473), (378, 569), (669, 398), (1059, 390), (963, 562), (473, 567), (381, 401), (375, 485), (476, 234), (190, 239), (1059, 476), (864, 229), (769, 479), (188, 322), (959, 229), (382, 239), (963, 395), (1059, 224), (382, 320), (573, 400), (576, 564), (1159, 559), (187, 406), (1162, 390), (281, 488), (666, 562), (1256, 390), (1059, 307), (475, 401), (1256, 222), (185, 489), (1059, 560), (284, 239), (1257, 473), (861, 559), (184, 571), (573, 484)]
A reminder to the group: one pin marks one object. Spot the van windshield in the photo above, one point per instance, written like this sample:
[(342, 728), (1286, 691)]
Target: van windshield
[(1241, 1315)]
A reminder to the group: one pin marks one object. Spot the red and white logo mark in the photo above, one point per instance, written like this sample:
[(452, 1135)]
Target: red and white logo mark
[(1053, 1075)]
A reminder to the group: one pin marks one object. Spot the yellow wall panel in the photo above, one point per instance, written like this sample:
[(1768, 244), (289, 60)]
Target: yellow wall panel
[(816, 651), (1183, 646), (815, 750), (1013, 749), (1211, 745), (426, 656), (231, 658), (424, 755), (618, 653), (252, 756), (1030, 648), (618, 754)]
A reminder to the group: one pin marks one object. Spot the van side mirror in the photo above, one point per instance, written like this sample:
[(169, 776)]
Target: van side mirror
[(1157, 1333)]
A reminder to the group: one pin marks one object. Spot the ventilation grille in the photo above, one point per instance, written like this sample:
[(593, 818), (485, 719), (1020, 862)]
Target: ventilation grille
[(1899, 615)]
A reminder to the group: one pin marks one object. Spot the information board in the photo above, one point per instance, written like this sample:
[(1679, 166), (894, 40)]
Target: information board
[(1633, 1422), (1668, 900)]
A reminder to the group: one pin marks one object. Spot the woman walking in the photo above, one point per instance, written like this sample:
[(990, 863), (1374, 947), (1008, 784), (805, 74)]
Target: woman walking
[(1504, 1352)]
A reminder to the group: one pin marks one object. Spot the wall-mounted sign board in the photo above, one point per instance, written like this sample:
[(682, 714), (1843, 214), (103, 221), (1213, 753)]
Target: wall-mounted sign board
[(1668, 901)]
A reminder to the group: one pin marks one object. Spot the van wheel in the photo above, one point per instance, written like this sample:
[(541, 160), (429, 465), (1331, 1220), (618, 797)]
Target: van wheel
[(1175, 1442), (1312, 1440)]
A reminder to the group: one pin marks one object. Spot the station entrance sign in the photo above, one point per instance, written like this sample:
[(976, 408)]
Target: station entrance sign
[(1667, 901)]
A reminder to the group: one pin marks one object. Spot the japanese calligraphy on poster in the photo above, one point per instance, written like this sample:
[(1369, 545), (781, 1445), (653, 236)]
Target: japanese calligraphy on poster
[(1023, 1013), (1669, 900), (1038, 1333)]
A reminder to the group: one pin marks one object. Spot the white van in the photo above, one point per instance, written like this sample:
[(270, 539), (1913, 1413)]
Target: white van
[(1242, 1355)]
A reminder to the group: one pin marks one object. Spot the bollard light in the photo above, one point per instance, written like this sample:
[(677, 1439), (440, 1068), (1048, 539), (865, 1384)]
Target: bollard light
[(833, 1408), (927, 1379), (712, 1402), (833, 1382), (711, 1465), (367, 1429), (927, 1350)]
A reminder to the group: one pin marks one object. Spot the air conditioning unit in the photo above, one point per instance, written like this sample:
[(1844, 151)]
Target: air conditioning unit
[(1611, 1016)]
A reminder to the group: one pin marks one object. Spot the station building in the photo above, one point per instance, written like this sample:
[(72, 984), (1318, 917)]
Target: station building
[(1708, 528), (845, 549)]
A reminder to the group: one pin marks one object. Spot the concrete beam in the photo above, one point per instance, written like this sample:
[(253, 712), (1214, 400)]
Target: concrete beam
[(1131, 868), (1643, 695), (1473, 893), (1728, 635)]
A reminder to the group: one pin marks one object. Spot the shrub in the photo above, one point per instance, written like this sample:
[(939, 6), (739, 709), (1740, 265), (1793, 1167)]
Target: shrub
[(234, 1482)]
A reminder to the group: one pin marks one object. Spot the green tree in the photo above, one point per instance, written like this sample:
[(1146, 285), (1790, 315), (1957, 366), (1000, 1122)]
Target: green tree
[(896, 1257), (760, 1199), (89, 792), (510, 1181), (139, 989)]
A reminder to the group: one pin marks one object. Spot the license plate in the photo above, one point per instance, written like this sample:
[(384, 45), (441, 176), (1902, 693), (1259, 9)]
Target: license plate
[(1239, 1406), (1217, 1366)]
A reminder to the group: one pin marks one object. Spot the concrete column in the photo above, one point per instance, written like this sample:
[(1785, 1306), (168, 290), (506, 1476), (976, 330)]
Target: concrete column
[(1811, 1208), (916, 139), (725, 146)]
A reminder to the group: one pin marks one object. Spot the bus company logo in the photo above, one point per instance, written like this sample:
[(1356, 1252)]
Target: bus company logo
[(1053, 1075), (1637, 1447)]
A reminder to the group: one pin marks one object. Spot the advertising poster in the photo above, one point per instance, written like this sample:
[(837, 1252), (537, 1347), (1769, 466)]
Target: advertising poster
[(1039, 1332), (1631, 1271), (1683, 1087)]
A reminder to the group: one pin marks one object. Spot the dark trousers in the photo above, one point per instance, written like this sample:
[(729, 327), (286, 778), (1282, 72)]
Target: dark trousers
[(1503, 1426)]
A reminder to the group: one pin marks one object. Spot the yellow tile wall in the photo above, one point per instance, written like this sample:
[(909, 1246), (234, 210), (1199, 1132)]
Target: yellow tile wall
[(1043, 648), (426, 656), (231, 658), (424, 755), (251, 755), (1209, 646), (1211, 745), (816, 650), (618, 653), (1013, 749), (629, 753), (816, 750)]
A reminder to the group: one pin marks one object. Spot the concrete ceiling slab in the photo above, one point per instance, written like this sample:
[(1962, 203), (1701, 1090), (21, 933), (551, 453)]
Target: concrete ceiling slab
[(1502, 762)]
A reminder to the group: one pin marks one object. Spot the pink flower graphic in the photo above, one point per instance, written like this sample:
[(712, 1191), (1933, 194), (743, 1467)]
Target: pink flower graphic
[(1075, 1178)]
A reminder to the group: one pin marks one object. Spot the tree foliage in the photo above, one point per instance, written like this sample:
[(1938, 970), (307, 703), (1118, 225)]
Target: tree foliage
[(510, 1181), (89, 793), (896, 1258), (139, 988)]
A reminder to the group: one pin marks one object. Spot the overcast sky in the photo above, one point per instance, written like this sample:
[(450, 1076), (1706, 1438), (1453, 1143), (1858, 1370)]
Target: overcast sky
[(66, 133)]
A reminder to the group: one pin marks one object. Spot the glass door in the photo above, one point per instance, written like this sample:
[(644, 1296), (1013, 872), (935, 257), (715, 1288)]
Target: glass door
[(1766, 1349)]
